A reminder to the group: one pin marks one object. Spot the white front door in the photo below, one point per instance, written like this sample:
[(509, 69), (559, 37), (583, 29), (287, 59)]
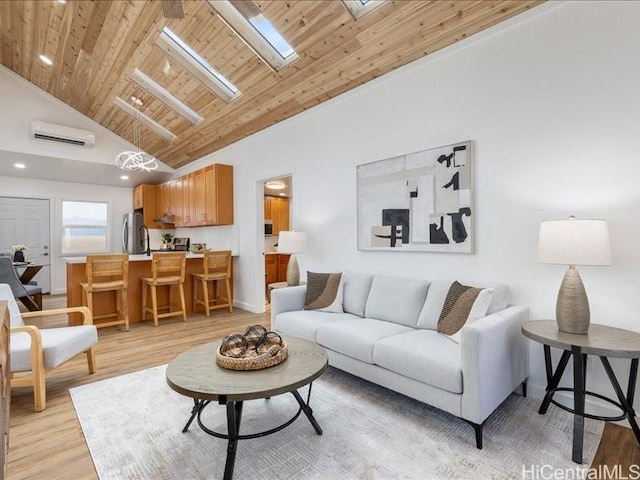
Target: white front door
[(26, 221)]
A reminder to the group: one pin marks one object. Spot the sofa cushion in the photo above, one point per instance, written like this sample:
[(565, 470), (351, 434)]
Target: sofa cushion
[(357, 337), (422, 355), (58, 344), (397, 300), (438, 292), (458, 313), (324, 292), (304, 323), (456, 290), (356, 291)]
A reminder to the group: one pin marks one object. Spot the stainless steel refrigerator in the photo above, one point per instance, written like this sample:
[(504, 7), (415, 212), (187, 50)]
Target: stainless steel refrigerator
[(133, 237)]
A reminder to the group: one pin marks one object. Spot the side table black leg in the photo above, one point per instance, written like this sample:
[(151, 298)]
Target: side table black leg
[(553, 379), (197, 406), (627, 406), (578, 402), (234, 414), (307, 411)]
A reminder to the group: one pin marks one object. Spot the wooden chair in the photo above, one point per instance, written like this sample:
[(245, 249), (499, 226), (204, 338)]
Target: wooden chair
[(167, 269), (108, 273), (34, 352), (216, 267)]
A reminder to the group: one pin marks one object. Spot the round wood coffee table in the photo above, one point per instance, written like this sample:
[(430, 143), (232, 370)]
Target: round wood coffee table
[(196, 374)]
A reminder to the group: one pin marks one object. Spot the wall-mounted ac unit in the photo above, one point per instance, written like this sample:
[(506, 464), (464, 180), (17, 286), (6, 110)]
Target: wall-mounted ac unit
[(62, 134)]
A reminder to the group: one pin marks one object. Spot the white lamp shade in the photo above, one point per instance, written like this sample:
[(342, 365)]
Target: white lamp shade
[(574, 242), (292, 242)]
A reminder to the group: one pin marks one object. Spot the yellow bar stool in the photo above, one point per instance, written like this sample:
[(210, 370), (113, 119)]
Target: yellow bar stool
[(108, 273), (167, 270), (216, 268)]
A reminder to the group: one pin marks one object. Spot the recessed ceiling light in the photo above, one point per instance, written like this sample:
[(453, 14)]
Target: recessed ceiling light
[(61, 1), (275, 185), (46, 59), (124, 177), (19, 165), (283, 194)]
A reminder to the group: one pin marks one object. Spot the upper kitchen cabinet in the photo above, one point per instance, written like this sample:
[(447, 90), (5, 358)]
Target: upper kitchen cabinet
[(200, 198), (144, 198), (276, 209), (218, 181)]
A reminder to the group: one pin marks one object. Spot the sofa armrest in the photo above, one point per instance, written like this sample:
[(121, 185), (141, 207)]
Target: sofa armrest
[(495, 360), (36, 355), (287, 300)]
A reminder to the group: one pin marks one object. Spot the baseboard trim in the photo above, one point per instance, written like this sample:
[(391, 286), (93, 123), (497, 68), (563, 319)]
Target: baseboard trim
[(246, 306)]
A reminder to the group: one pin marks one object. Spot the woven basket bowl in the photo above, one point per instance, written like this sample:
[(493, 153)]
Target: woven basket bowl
[(253, 362)]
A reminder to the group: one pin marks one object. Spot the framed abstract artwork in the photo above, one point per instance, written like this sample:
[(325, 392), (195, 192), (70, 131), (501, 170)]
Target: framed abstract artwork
[(421, 201)]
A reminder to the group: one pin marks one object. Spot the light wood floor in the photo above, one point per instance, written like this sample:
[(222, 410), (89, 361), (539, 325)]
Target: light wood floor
[(50, 444)]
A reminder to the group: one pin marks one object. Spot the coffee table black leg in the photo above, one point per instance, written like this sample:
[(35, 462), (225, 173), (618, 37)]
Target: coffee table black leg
[(234, 414), (627, 406), (578, 403), (552, 380), (307, 410), (197, 406)]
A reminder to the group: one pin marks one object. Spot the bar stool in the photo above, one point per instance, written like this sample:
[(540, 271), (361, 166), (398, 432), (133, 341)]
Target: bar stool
[(167, 269), (216, 267), (108, 273)]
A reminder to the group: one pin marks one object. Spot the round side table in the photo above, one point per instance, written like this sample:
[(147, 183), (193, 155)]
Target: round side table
[(603, 341)]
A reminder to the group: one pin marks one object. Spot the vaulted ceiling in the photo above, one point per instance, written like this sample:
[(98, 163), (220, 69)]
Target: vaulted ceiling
[(96, 47)]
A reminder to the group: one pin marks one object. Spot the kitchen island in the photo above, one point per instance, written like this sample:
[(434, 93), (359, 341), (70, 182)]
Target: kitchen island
[(139, 267)]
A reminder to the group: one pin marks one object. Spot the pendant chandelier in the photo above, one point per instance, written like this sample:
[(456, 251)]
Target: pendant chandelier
[(137, 161)]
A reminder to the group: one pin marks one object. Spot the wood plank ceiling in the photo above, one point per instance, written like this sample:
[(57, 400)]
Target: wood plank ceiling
[(97, 45)]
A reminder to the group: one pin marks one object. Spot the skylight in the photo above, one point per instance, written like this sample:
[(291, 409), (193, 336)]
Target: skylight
[(201, 61), (246, 19), (271, 35), (358, 8)]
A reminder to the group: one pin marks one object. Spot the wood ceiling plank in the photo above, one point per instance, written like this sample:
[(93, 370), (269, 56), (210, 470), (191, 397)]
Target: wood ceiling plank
[(138, 21), (15, 32), (139, 45), (94, 28)]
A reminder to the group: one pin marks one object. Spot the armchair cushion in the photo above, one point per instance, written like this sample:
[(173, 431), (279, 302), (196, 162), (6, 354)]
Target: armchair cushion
[(58, 345)]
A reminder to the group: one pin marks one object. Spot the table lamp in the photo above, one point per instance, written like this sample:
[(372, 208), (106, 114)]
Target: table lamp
[(293, 243), (574, 242)]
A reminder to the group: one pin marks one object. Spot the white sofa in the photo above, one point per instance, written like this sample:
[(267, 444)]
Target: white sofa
[(387, 335)]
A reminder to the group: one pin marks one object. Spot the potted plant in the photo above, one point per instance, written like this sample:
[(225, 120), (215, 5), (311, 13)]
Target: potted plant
[(166, 241), (18, 255)]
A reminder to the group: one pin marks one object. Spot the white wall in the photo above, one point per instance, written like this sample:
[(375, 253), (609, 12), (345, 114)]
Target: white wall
[(21, 102), (119, 199), (551, 100)]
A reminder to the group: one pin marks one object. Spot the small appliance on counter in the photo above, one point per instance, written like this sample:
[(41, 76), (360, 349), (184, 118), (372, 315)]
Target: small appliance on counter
[(181, 244)]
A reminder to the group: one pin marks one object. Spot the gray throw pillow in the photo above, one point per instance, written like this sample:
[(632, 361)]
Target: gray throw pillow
[(324, 292)]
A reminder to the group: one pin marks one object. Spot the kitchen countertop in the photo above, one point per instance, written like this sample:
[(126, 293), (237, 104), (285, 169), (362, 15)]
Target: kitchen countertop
[(132, 258)]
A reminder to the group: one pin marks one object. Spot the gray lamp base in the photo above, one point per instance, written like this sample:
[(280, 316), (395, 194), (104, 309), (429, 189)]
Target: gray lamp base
[(572, 307), (293, 272)]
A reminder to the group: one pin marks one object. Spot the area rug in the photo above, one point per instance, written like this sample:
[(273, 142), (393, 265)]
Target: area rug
[(133, 424)]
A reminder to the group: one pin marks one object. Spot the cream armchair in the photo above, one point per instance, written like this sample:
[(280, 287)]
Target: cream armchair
[(34, 352)]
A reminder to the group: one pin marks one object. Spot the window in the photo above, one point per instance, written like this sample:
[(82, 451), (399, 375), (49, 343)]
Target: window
[(84, 227), (246, 19)]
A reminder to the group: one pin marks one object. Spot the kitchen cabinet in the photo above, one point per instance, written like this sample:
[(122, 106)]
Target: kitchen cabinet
[(145, 200), (218, 180), (275, 267), (276, 209), (200, 198)]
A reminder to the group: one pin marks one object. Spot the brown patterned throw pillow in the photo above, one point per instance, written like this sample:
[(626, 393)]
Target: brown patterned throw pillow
[(457, 316), (324, 292), (455, 291)]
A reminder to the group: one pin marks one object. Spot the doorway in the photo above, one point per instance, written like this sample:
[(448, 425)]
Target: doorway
[(277, 198), (26, 221)]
